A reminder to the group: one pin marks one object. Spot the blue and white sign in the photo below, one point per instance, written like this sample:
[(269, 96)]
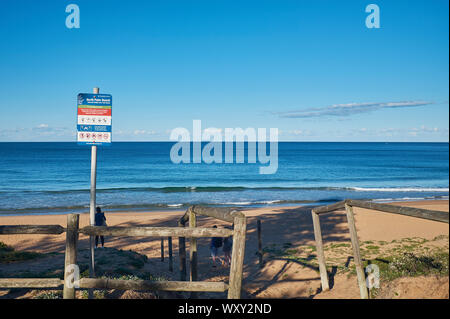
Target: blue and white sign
[(94, 119)]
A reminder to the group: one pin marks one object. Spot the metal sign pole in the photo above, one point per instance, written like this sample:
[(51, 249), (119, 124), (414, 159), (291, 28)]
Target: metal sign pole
[(94, 129), (93, 207)]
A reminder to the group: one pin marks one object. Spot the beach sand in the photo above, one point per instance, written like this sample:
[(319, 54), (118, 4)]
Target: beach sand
[(288, 226)]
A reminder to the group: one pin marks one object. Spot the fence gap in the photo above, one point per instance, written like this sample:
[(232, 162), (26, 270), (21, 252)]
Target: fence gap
[(260, 250), (169, 243)]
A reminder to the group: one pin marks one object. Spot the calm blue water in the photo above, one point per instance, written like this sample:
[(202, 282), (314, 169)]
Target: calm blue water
[(54, 177)]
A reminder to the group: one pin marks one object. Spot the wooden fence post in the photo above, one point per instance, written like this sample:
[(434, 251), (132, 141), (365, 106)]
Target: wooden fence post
[(260, 251), (192, 251), (356, 252), (162, 248), (169, 243), (182, 254), (237, 257), (192, 248), (320, 252), (71, 255)]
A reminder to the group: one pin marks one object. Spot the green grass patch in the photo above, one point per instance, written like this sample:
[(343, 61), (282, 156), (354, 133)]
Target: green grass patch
[(440, 237), (333, 246), (10, 255), (98, 294), (49, 295), (411, 265)]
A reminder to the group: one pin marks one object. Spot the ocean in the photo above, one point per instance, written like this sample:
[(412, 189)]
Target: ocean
[(50, 178)]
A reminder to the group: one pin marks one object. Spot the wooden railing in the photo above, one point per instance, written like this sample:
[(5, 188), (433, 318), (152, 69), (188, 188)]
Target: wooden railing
[(192, 232), (239, 222), (101, 283), (348, 205), (31, 282)]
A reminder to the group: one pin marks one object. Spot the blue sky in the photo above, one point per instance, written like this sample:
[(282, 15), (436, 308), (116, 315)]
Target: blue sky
[(310, 68)]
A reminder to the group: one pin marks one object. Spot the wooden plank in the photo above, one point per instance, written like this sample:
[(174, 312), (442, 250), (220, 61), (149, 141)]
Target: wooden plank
[(329, 208), (237, 258), (320, 252), (143, 285), (428, 214), (356, 252), (169, 243), (225, 214), (192, 251), (31, 229), (73, 221), (31, 283), (156, 231), (182, 253), (260, 250)]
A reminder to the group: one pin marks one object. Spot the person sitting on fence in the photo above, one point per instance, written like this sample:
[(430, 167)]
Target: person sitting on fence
[(100, 220), (216, 243), (227, 246)]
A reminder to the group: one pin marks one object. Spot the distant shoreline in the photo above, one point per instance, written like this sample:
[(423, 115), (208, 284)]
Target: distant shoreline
[(182, 208)]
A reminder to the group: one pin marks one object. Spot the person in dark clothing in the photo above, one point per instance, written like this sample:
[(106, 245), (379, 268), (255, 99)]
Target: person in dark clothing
[(100, 220), (216, 243)]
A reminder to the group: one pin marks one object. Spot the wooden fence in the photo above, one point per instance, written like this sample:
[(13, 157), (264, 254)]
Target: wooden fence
[(348, 205), (230, 215), (192, 232), (31, 282)]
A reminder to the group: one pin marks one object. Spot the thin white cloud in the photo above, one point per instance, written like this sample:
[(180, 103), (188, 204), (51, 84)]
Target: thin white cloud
[(413, 131), (348, 109), (39, 132), (299, 132), (144, 132)]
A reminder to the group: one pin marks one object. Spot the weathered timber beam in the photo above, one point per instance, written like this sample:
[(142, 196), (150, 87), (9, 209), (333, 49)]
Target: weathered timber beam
[(196, 232), (31, 229), (435, 215), (225, 214), (205, 286), (329, 208), (31, 283)]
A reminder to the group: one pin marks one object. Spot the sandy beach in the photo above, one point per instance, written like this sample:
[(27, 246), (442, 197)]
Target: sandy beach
[(288, 226)]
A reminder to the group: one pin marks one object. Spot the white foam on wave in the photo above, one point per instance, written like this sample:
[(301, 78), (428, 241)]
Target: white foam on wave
[(406, 189), (383, 200), (270, 201), (238, 203)]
